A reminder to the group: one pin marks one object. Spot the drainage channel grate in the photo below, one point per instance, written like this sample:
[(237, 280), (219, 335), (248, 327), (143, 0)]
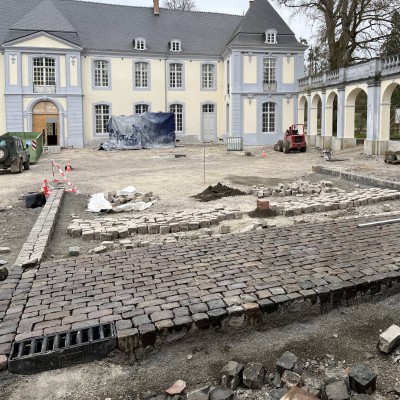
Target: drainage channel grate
[(62, 350)]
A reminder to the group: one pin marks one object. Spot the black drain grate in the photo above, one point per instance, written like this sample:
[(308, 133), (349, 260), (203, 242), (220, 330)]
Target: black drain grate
[(63, 349)]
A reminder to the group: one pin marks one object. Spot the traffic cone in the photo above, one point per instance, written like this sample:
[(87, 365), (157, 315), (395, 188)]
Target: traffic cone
[(45, 188), (263, 154), (68, 169)]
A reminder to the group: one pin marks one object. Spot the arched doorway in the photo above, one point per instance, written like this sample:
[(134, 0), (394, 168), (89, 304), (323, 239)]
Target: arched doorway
[(316, 114), (356, 114), (303, 111), (331, 115), (45, 119), (395, 114)]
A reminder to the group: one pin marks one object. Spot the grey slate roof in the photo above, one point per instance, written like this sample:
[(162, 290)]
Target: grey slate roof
[(44, 17), (105, 27), (260, 17)]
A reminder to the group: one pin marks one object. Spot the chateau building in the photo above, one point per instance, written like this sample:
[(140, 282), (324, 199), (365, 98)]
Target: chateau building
[(66, 66)]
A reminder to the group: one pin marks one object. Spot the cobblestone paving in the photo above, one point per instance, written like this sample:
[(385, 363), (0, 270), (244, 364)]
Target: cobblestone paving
[(160, 289)]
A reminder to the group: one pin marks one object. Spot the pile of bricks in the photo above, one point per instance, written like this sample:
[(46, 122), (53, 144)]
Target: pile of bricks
[(334, 201), (121, 227), (293, 189), (118, 198)]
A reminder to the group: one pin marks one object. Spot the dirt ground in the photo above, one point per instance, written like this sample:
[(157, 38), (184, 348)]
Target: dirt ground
[(175, 180)]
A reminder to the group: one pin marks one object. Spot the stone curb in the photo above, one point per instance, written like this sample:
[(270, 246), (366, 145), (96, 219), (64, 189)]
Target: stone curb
[(360, 178), (15, 289)]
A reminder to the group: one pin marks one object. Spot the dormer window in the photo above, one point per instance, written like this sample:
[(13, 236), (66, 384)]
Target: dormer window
[(176, 46), (270, 36), (140, 43)]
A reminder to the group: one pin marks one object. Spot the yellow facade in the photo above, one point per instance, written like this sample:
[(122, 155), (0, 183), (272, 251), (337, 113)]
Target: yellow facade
[(43, 42), (249, 69), (13, 65), (288, 70), (250, 116)]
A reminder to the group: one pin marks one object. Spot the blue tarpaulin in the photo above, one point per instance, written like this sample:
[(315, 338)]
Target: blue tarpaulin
[(144, 131)]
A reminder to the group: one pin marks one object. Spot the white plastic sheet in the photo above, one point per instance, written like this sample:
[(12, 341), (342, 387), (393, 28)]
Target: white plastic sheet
[(98, 203)]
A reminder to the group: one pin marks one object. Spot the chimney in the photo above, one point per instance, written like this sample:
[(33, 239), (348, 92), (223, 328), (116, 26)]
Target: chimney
[(156, 7), (251, 3)]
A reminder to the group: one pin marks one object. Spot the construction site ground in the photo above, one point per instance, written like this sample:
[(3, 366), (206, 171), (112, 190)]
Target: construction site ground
[(175, 180)]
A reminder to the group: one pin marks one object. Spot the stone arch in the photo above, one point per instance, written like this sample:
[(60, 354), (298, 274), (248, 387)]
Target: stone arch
[(352, 102), (331, 114), (316, 113), (388, 112), (303, 110)]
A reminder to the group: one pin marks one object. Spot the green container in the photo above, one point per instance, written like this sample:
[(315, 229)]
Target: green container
[(32, 140)]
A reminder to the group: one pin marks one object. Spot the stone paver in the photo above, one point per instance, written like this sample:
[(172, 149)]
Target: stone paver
[(160, 290)]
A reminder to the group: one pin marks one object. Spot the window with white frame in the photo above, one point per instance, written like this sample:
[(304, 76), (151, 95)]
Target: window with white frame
[(177, 109), (102, 115), (176, 45), (268, 117), (269, 70), (270, 37), (101, 73), (141, 75), (140, 43), (175, 75), (141, 108), (208, 76), (44, 75)]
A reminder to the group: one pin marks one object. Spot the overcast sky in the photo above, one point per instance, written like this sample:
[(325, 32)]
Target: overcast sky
[(238, 7)]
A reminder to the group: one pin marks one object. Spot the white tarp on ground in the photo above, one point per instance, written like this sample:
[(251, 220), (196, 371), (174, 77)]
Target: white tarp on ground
[(99, 203)]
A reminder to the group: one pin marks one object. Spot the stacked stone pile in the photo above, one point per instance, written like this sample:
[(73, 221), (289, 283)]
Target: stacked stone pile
[(293, 379), (122, 227), (338, 200), (118, 198), (292, 189)]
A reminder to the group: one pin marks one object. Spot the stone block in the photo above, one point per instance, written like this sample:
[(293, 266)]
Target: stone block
[(201, 320), (154, 229), (362, 379), (100, 249), (88, 235), (74, 251), (221, 393), (253, 313), (224, 229), (232, 375), (148, 334), (193, 225), (337, 391), (164, 229), (389, 339), (174, 227), (263, 204), (290, 379), (286, 363), (128, 339), (123, 233), (142, 229), (296, 393), (253, 375), (108, 243), (5, 250), (164, 327)]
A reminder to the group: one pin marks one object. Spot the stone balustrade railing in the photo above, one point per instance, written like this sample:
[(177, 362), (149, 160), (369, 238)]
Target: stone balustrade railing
[(362, 71)]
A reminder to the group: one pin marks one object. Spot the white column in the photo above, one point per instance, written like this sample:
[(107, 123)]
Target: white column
[(340, 112), (323, 110), (373, 111)]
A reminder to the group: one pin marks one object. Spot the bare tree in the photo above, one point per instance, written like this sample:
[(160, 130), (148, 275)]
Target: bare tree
[(352, 30), (182, 5)]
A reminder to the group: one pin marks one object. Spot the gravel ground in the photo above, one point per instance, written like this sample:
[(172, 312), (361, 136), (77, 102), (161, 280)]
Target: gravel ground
[(174, 180)]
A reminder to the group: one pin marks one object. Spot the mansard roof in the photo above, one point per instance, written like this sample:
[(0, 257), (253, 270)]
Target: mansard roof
[(260, 17), (112, 28)]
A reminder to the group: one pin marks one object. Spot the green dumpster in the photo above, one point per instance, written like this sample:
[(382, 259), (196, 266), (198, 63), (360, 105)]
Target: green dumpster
[(34, 141)]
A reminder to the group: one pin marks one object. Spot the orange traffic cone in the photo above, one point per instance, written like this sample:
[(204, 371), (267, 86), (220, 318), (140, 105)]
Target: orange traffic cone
[(263, 154), (45, 188), (68, 169)]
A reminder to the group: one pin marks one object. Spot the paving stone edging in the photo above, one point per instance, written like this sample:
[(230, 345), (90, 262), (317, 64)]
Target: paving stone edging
[(356, 177), (14, 291), (306, 303)]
